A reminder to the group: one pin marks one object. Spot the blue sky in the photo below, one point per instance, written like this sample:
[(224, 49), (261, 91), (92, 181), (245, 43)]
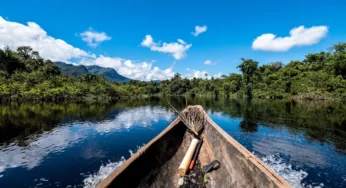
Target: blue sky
[(231, 29)]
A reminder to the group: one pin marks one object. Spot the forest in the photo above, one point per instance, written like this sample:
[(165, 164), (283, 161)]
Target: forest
[(319, 76), (25, 76)]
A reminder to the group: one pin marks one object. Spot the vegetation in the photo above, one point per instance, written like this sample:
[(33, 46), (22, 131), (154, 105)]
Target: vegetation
[(319, 76), (24, 75)]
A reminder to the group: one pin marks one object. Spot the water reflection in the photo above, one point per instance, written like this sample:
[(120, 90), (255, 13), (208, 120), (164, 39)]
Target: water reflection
[(303, 141), (73, 130), (24, 121), (323, 121), (31, 155), (140, 116), (248, 126)]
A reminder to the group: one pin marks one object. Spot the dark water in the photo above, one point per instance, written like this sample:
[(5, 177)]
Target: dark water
[(76, 145)]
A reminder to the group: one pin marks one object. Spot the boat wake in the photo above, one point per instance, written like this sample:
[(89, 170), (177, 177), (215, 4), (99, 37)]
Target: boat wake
[(105, 170), (292, 176)]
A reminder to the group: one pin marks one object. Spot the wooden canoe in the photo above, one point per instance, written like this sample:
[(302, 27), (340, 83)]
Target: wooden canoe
[(156, 164)]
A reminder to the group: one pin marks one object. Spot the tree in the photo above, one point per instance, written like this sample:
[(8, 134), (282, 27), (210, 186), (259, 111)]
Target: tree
[(235, 81), (316, 61), (249, 69), (338, 59), (176, 76), (24, 51), (227, 88)]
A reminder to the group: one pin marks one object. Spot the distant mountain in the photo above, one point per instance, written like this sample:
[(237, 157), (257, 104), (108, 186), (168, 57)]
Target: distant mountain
[(78, 70), (72, 70), (108, 73)]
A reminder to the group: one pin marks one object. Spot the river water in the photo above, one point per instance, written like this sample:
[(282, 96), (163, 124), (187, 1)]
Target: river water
[(77, 145)]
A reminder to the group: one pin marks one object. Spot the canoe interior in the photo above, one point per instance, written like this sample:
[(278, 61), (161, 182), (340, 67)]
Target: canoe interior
[(156, 164)]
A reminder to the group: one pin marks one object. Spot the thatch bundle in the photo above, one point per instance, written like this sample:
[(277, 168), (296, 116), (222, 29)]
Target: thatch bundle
[(193, 118)]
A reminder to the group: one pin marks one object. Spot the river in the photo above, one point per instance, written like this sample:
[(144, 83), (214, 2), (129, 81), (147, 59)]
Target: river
[(76, 145)]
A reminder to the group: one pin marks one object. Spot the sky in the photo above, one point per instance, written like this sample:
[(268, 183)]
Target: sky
[(154, 39)]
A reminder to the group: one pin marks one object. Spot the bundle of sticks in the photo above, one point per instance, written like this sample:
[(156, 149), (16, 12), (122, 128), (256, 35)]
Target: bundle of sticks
[(193, 118)]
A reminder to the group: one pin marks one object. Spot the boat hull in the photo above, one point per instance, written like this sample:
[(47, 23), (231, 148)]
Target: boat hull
[(156, 163)]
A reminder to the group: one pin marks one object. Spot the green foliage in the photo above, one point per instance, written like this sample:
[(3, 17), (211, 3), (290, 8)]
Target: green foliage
[(319, 76), (24, 75), (249, 68)]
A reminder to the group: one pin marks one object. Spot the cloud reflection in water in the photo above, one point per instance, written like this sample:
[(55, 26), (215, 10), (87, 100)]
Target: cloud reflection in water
[(68, 135)]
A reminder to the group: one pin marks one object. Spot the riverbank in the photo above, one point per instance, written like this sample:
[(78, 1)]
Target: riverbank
[(318, 97), (25, 76)]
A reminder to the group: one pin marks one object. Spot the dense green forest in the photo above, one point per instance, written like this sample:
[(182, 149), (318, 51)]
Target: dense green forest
[(319, 76), (24, 75)]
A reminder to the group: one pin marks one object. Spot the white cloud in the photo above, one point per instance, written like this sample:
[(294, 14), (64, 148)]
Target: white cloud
[(177, 49), (218, 75), (94, 38), (138, 71), (199, 30), (299, 36), (102, 61), (209, 62), (200, 74), (148, 41), (181, 41), (14, 34)]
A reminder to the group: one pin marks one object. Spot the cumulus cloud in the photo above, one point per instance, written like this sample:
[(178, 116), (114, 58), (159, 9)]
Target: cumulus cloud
[(148, 41), (176, 49), (209, 62), (299, 36), (139, 71), (144, 71), (193, 73), (199, 30), (13, 35), (94, 38)]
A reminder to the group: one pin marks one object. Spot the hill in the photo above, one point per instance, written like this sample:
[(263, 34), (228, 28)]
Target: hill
[(109, 73), (78, 70), (72, 70)]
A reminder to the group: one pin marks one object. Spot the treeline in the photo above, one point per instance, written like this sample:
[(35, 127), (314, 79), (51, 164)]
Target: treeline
[(25, 76), (319, 76)]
